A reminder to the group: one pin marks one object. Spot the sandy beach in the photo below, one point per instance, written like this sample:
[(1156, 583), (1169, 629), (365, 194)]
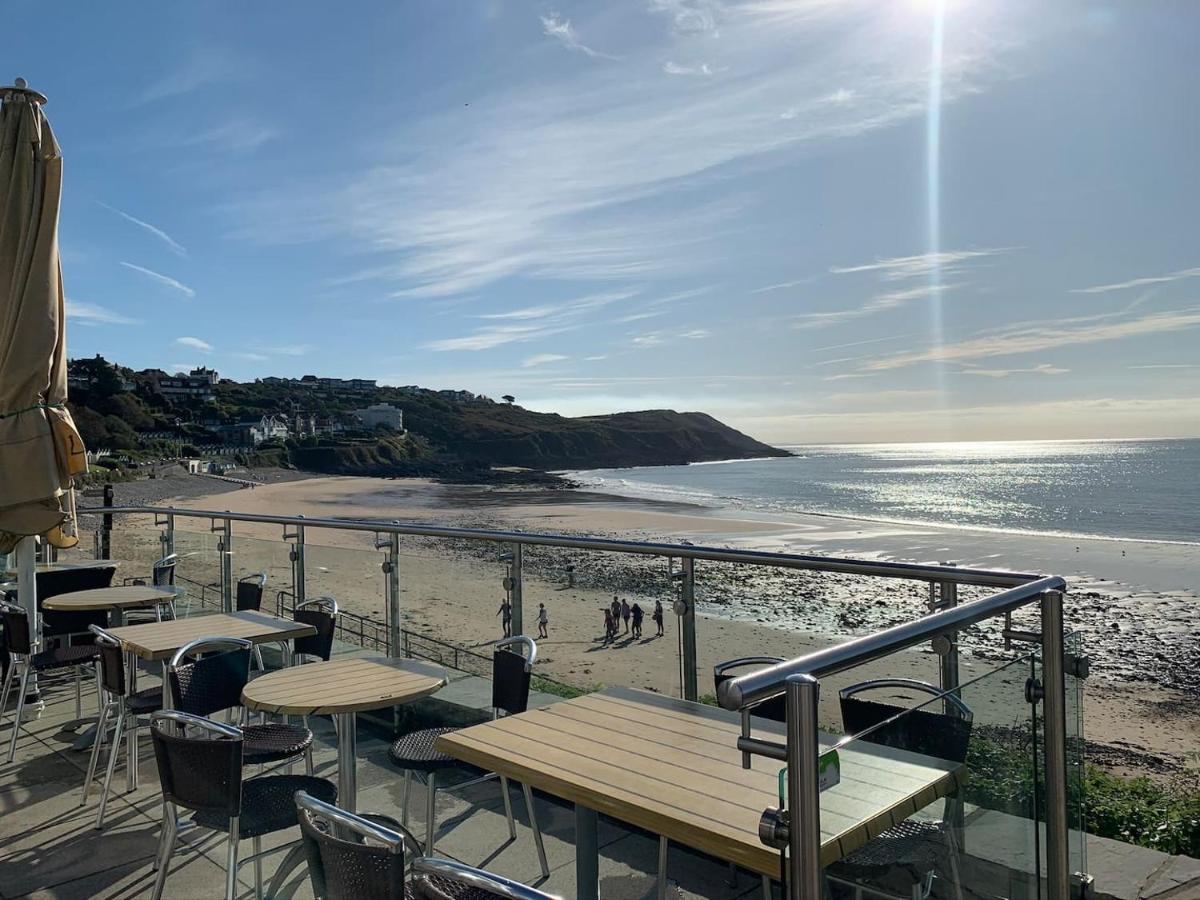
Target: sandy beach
[(1135, 603)]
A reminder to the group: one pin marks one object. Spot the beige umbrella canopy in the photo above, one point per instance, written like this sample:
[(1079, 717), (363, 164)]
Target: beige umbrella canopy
[(40, 449)]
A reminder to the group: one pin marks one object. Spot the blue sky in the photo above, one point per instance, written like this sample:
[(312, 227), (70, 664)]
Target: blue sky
[(739, 207)]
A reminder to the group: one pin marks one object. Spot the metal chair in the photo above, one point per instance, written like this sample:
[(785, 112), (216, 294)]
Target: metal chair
[(775, 708), (20, 649), (127, 707), (321, 613), (911, 845), (203, 773), (250, 592), (213, 681), (415, 752), (162, 575), (353, 857)]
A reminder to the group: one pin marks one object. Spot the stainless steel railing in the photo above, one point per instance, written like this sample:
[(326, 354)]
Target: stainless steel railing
[(798, 827)]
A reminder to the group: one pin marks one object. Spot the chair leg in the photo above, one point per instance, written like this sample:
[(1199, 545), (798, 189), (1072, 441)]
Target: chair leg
[(308, 761), (512, 825), (166, 848), (231, 860), (8, 680), (97, 745), (258, 868), (662, 867), (16, 727), (113, 750), (766, 888), (258, 660), (430, 806), (404, 806), (537, 832), (100, 699), (78, 692)]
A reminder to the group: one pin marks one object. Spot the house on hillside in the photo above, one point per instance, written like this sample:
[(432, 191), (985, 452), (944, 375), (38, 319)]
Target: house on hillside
[(381, 414), (198, 383)]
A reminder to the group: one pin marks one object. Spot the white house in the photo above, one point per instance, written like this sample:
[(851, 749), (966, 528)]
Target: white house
[(381, 414)]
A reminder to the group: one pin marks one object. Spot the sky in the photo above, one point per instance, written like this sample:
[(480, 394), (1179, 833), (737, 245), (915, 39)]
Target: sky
[(818, 220)]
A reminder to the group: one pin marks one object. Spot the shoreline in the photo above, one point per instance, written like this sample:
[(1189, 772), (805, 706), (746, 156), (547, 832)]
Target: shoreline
[(1140, 698)]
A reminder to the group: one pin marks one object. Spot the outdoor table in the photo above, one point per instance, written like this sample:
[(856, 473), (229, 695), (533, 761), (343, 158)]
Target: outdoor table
[(673, 768), (66, 565), (158, 641), (114, 599), (342, 688)]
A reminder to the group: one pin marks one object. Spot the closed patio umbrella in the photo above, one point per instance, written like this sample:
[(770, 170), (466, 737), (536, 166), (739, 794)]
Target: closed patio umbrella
[(40, 449)]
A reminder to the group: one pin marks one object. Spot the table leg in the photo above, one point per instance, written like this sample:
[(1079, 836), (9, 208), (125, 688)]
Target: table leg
[(131, 732), (118, 617), (587, 853), (347, 760)]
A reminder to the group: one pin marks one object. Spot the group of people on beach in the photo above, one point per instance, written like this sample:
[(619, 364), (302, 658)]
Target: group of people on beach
[(622, 611), (506, 614)]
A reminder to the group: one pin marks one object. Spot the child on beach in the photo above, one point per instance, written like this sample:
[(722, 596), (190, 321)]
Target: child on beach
[(658, 616), (638, 615), (505, 611), (543, 621), (616, 614), (608, 624), (625, 614)]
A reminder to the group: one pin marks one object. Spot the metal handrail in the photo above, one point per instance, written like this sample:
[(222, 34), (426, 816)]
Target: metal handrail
[(754, 687), (913, 571)]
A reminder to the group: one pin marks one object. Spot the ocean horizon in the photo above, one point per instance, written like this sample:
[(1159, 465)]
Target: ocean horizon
[(1117, 489)]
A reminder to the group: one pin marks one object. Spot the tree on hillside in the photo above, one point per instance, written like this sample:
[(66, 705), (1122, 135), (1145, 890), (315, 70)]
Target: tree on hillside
[(508, 398)]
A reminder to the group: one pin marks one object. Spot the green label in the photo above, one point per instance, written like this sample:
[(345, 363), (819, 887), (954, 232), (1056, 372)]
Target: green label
[(829, 773)]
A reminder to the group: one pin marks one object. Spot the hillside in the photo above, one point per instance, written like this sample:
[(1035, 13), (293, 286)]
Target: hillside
[(450, 434)]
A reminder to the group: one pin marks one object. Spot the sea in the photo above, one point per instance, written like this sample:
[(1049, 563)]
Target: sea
[(1146, 490)]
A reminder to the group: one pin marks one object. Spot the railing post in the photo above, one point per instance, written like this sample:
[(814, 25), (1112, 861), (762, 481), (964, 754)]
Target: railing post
[(687, 624), (804, 789), (948, 653), (167, 538), (297, 557), (106, 525), (393, 583), (1054, 713), (227, 566), (515, 567)]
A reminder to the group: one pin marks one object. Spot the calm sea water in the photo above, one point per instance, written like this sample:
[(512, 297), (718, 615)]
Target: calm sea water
[(1148, 490)]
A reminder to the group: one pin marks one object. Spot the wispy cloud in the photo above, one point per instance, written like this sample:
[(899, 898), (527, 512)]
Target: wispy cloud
[(162, 279), (530, 323), (285, 349), (564, 32), (783, 285), (673, 68), (1167, 366), (542, 359), (251, 357), (234, 135), (195, 70), (153, 229), (1139, 282), (1040, 369), (877, 304), (195, 343), (85, 313), (649, 339), (922, 265), (1034, 337)]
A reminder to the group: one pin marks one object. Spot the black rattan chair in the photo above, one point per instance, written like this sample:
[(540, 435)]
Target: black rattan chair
[(775, 708), (352, 857), (162, 575), (213, 682), (19, 644), (917, 848), (321, 613), (250, 592), (415, 752), (202, 772), (126, 706)]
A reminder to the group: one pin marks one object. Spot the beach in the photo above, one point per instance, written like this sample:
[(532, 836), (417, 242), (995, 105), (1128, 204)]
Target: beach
[(1133, 602)]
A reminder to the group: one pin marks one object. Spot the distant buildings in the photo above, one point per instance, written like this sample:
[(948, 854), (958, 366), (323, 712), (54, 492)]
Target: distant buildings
[(381, 414), (254, 432), (198, 383)]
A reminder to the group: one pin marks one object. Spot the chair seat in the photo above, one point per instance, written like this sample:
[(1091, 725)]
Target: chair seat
[(64, 657), (415, 750), (145, 702), (273, 742), (269, 804), (910, 844), (435, 887)]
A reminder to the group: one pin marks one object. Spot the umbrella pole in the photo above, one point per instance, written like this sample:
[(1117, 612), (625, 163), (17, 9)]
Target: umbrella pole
[(27, 591)]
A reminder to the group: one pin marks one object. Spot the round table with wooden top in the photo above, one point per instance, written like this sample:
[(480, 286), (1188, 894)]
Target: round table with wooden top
[(115, 599), (342, 688)]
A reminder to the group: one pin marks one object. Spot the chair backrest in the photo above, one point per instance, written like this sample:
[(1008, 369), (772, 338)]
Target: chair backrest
[(16, 628), (445, 879), (511, 673), (250, 592), (321, 613), (66, 581), (214, 680), (163, 572), (919, 730), (112, 661), (342, 865), (201, 770), (775, 708)]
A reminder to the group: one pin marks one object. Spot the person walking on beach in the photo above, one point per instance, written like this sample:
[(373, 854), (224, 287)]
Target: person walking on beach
[(608, 624), (543, 621), (658, 617), (625, 614), (505, 613), (616, 614), (638, 615)]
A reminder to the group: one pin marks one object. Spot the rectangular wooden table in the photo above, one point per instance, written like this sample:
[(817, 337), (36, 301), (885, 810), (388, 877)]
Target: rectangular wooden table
[(158, 641), (673, 768)]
